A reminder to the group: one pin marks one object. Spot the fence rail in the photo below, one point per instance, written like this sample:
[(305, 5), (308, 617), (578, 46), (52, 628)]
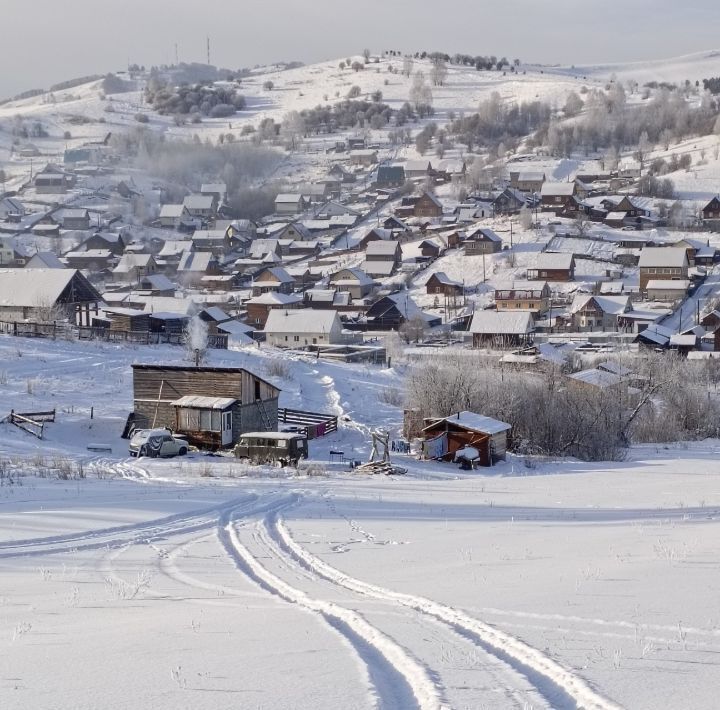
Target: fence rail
[(64, 331), (31, 422), (312, 424)]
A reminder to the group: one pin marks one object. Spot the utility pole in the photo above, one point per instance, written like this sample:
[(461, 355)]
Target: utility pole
[(176, 55), (483, 265), (208, 51), (511, 234)]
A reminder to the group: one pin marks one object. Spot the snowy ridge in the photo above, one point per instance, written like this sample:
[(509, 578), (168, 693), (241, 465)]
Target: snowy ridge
[(385, 659), (552, 679)]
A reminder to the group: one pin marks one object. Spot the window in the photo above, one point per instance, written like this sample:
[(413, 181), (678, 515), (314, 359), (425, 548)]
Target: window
[(296, 338), (227, 421)]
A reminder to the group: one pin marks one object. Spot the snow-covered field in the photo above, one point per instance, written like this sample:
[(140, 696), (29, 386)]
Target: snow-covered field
[(203, 583)]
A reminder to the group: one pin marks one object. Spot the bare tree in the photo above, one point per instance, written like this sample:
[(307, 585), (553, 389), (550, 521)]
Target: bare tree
[(292, 129), (407, 65), (439, 71)]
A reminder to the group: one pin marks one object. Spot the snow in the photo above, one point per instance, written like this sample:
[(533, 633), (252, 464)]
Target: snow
[(532, 584)]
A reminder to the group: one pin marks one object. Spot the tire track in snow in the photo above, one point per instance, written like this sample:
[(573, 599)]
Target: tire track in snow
[(560, 687), (121, 535), (400, 682)]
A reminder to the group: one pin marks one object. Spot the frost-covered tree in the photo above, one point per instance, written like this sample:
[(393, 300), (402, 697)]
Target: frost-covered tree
[(196, 339)]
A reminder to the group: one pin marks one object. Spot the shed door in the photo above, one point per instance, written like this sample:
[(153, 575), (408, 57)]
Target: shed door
[(226, 428)]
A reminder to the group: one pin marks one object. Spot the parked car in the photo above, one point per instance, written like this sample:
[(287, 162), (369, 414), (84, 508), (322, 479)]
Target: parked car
[(283, 447), (157, 443)]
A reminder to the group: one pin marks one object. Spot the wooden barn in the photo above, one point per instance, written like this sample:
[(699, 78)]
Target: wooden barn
[(211, 406), (448, 437)]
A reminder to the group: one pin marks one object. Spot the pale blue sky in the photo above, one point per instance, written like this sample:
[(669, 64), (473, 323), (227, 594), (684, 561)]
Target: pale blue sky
[(46, 41)]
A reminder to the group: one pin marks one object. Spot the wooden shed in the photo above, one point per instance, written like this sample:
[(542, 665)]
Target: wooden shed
[(445, 437), (211, 406)]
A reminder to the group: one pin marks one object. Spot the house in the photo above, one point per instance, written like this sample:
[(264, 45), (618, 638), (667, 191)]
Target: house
[(157, 285), (298, 328), (472, 436), (11, 209), (128, 319), (201, 206), (527, 181), (12, 254), (552, 267), (92, 260), (393, 224), (194, 265), (669, 290), (336, 209), (699, 253), (353, 281), (374, 235), (41, 260), (415, 169), (172, 215), (710, 213), (481, 240), (338, 172), (259, 307), (75, 219), (428, 205), (439, 283), (286, 203), (451, 169), (432, 248), (47, 295), (296, 232), (314, 192), (662, 263), (218, 190), (509, 201), (554, 195), (597, 379), (532, 296), (327, 298), (132, 267), (364, 157), (382, 258), (589, 313), (389, 176), (48, 183), (500, 329), (274, 278), (393, 311), (112, 241), (210, 406)]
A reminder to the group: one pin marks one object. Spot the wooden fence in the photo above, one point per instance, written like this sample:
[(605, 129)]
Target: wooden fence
[(64, 331), (312, 424), (31, 422)]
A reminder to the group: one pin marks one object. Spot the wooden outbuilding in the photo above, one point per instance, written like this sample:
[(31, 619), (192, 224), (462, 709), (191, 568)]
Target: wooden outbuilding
[(211, 406), (463, 434)]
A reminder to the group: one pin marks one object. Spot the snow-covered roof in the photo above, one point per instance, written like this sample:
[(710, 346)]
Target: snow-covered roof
[(502, 323), (197, 402), (476, 422), (483, 234), (199, 202), (381, 248), (379, 268), (668, 285), (195, 261), (158, 282), (596, 377), (288, 198), (172, 211), (274, 298), (663, 256), (560, 189), (128, 262), (44, 260), (614, 305), (553, 261), (444, 279), (44, 287), (301, 320)]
